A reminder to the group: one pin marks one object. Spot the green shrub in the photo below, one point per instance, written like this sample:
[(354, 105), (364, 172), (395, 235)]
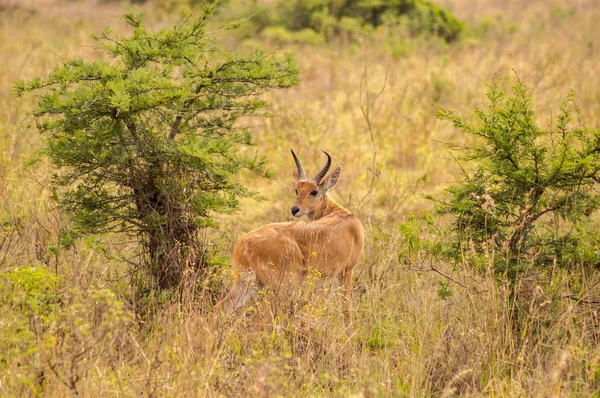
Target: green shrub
[(148, 143), (88, 327), (530, 189), (28, 299), (46, 330), (31, 288), (332, 17)]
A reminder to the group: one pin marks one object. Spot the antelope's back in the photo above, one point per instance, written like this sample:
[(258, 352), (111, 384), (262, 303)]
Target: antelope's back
[(266, 251), (338, 247)]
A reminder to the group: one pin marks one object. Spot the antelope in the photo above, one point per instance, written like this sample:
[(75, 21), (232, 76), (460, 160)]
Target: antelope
[(331, 243)]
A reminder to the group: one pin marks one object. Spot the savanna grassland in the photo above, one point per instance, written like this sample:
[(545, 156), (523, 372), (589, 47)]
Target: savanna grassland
[(72, 322)]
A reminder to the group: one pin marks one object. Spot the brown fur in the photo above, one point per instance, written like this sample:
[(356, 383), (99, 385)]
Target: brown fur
[(330, 243)]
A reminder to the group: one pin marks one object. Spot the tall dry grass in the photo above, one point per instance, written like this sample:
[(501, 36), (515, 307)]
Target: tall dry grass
[(86, 339)]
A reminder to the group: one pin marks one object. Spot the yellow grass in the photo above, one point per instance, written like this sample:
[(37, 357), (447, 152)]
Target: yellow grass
[(405, 340)]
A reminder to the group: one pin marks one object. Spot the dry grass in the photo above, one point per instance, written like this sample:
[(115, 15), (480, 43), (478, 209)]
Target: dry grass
[(405, 340)]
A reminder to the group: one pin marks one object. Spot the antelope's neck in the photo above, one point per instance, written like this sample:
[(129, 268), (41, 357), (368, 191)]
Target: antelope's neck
[(329, 206)]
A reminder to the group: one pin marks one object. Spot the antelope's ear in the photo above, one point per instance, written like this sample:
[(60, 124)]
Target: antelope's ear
[(332, 179), (295, 174)]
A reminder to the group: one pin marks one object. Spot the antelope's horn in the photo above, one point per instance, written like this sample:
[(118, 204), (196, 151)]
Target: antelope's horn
[(317, 179), (301, 172)]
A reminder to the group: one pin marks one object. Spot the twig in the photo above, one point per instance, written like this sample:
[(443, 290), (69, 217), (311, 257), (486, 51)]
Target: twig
[(437, 271), (580, 300)]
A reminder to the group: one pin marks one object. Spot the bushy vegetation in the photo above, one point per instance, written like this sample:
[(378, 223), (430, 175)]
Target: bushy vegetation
[(71, 323), (307, 20), (531, 190)]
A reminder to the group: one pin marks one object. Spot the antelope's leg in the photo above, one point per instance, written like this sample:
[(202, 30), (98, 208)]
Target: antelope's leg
[(242, 291), (346, 279)]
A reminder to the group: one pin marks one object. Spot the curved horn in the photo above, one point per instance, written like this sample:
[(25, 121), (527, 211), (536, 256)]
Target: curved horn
[(317, 179), (301, 172)]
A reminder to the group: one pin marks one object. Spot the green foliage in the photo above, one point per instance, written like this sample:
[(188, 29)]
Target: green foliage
[(382, 335), (443, 291), (149, 142), (530, 190), (44, 331), (332, 17), (27, 300), (86, 328), (31, 288), (419, 238)]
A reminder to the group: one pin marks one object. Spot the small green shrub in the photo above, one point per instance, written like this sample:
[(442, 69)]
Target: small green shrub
[(530, 188), (28, 299), (88, 327), (31, 288), (46, 330)]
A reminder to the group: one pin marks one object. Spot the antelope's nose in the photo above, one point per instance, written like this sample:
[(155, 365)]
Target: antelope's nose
[(295, 210)]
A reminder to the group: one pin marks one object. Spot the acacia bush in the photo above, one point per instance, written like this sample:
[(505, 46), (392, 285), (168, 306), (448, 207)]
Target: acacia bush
[(147, 142), (529, 191)]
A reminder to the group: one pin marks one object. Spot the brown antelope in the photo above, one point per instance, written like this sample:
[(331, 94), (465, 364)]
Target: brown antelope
[(330, 243)]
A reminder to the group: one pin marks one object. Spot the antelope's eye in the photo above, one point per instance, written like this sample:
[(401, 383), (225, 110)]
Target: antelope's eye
[(314, 193), (295, 190)]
